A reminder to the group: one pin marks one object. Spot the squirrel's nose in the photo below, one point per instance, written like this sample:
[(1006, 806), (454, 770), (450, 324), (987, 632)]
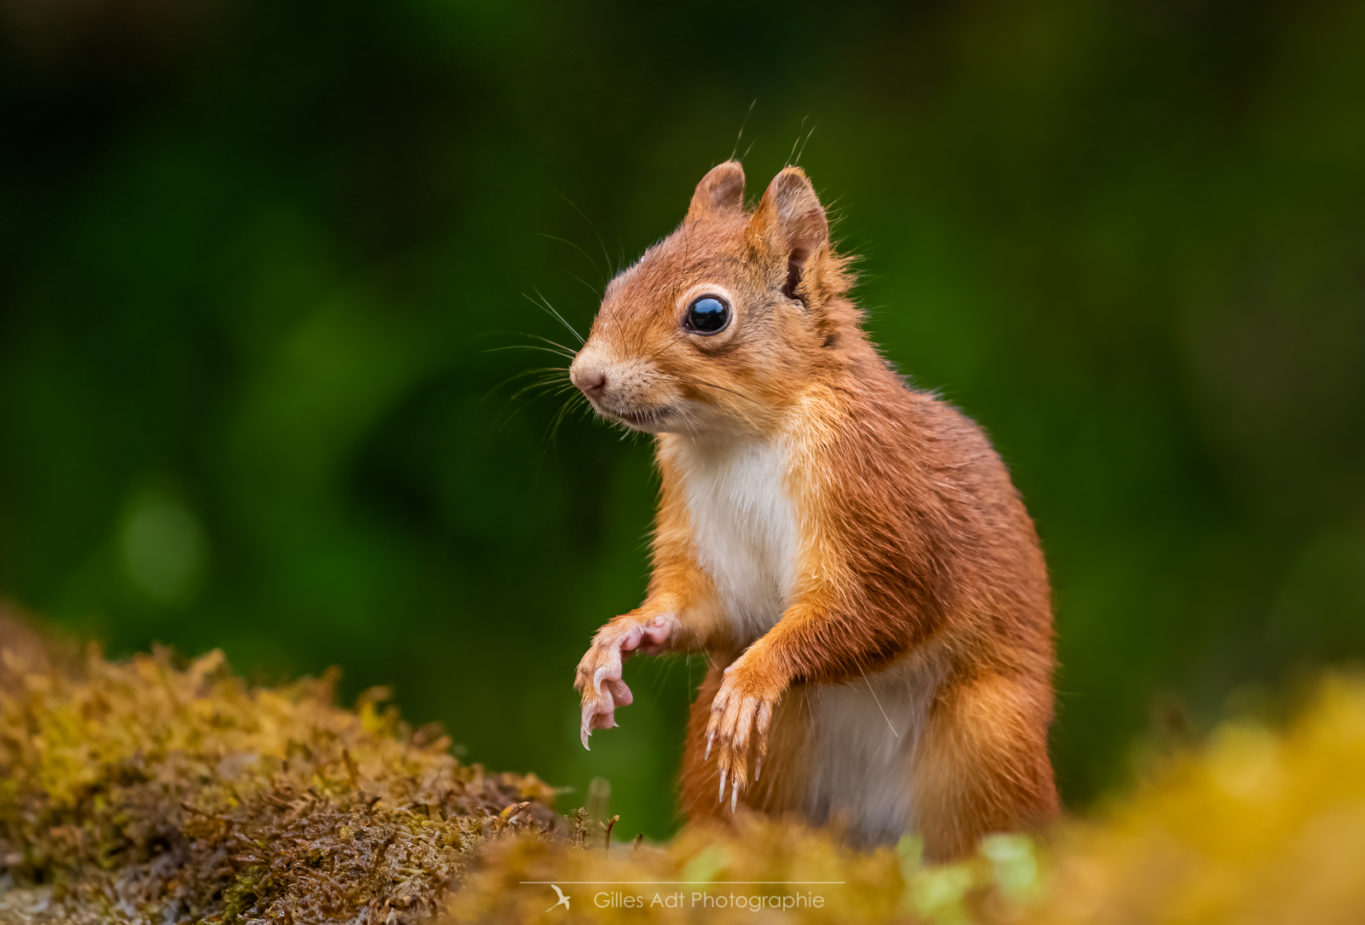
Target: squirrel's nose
[(591, 380)]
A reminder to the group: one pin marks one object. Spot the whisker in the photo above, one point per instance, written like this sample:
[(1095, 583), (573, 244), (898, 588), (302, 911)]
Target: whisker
[(570, 404), (552, 430), (557, 315), (544, 371), (544, 305), (722, 388), (545, 380), (555, 343), (556, 352), (603, 244), (542, 385), (519, 407), (595, 290), (586, 256)]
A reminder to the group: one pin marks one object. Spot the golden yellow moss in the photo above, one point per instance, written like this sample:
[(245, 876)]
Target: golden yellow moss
[(1257, 827), (147, 791), (785, 871)]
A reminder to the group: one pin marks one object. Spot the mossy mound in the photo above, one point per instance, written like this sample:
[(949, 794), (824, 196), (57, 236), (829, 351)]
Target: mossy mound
[(1258, 826), (780, 871), (147, 791)]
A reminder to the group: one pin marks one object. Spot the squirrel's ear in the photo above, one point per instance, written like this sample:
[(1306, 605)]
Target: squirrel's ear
[(790, 220), (720, 190)]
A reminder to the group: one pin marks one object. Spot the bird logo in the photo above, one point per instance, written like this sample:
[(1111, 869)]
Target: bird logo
[(563, 900)]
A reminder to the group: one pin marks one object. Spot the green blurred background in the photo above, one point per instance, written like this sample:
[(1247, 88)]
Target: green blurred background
[(254, 260)]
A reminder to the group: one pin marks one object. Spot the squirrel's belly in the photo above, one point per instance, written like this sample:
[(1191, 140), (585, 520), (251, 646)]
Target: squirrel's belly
[(863, 737), (744, 530)]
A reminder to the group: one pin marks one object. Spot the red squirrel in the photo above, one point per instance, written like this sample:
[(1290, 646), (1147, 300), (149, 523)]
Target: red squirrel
[(848, 552)]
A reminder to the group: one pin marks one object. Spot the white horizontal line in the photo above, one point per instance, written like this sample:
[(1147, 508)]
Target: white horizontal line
[(687, 882)]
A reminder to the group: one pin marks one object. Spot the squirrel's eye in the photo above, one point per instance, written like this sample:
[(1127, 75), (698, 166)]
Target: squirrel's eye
[(707, 314)]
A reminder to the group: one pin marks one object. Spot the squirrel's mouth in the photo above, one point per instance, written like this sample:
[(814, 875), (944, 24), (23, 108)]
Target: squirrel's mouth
[(647, 419)]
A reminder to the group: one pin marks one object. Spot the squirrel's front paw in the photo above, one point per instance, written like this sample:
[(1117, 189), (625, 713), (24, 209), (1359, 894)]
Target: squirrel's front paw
[(598, 678), (741, 715)]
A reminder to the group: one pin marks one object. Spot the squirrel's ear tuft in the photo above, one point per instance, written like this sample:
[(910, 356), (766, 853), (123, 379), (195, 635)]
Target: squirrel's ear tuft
[(722, 189), (792, 222)]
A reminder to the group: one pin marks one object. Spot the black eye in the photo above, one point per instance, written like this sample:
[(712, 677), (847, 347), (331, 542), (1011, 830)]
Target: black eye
[(707, 314)]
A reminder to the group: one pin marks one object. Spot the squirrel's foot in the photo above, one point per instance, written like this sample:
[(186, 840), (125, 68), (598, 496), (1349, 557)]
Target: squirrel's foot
[(598, 678), (741, 715)]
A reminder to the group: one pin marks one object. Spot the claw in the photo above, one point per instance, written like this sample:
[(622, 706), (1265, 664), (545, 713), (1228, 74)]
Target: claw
[(734, 796), (585, 729), (602, 687), (721, 796), (709, 739), (758, 768)]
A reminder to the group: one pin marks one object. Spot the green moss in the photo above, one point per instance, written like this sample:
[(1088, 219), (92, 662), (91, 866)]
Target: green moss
[(243, 893)]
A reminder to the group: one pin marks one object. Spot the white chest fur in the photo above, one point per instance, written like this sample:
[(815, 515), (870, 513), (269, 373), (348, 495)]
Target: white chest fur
[(744, 528)]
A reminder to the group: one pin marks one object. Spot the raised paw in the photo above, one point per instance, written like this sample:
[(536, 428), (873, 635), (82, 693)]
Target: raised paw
[(598, 679), (741, 715)]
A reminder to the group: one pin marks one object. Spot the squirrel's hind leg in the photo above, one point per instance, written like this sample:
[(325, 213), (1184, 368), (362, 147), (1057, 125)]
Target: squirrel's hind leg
[(982, 764), (700, 779)]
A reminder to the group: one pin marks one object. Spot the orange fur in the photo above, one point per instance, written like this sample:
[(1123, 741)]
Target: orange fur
[(915, 568)]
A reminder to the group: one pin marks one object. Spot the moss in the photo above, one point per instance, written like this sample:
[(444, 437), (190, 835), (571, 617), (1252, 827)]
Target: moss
[(149, 790), (1259, 825), (725, 874)]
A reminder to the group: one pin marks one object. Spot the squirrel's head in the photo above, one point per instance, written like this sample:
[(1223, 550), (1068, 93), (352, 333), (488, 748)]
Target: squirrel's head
[(717, 326)]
